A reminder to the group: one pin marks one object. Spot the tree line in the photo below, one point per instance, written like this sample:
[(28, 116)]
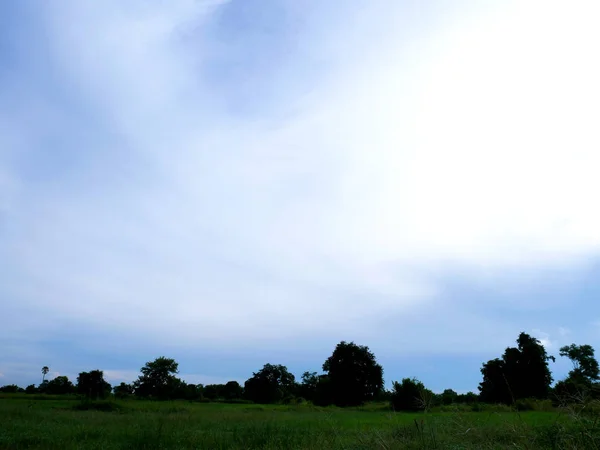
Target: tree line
[(351, 377)]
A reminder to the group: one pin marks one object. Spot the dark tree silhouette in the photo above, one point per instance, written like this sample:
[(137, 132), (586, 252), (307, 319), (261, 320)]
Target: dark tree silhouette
[(123, 390), (183, 391), (59, 386), (522, 372), (324, 393), (93, 385), (582, 380), (410, 395), (158, 379), (449, 397), (307, 389), (232, 391), (45, 371), (495, 387), (213, 391), (11, 389), (585, 365), (353, 373), (468, 398), (271, 384)]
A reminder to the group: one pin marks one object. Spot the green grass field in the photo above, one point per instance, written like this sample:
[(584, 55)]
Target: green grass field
[(27, 423)]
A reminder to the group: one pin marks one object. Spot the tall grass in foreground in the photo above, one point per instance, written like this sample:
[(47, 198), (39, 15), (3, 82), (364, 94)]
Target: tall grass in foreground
[(64, 424)]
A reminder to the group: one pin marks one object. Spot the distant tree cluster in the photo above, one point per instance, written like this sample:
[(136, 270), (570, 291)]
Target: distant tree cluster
[(351, 377), (522, 372)]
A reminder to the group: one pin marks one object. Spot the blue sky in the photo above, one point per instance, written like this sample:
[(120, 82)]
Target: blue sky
[(232, 183)]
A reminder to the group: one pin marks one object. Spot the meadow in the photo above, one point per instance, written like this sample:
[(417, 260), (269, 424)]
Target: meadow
[(30, 422)]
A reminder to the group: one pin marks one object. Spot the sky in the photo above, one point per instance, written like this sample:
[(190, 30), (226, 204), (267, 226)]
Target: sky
[(234, 183)]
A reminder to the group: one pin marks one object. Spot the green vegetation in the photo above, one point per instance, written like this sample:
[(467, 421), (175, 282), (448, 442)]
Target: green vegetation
[(69, 424), (344, 407)]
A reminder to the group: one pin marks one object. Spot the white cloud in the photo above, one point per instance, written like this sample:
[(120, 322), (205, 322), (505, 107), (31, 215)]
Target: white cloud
[(115, 377), (472, 150), (563, 331), (544, 339)]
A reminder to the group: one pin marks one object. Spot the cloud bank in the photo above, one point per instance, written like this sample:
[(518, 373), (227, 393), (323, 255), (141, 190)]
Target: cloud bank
[(196, 172)]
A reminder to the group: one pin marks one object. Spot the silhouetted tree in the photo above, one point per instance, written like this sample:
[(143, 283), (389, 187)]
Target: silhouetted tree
[(580, 382), (213, 391), (93, 385), (269, 385), (59, 386), (449, 397), (45, 371), (410, 395), (383, 396), (308, 387), (324, 392), (189, 391), (468, 398), (158, 379), (42, 387), (354, 375), (585, 365), (31, 389), (232, 391), (11, 389), (123, 390), (522, 372), (495, 386)]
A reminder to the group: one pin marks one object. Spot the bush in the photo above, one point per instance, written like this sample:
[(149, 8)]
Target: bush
[(410, 395)]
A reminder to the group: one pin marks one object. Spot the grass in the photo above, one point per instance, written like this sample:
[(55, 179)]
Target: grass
[(66, 424)]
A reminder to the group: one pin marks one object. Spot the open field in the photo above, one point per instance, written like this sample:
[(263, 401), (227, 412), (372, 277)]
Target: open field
[(57, 424)]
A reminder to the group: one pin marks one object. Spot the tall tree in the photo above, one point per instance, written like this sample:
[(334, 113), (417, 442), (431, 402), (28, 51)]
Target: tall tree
[(158, 379), (582, 380), (93, 385), (354, 374), (585, 365), (270, 384), (45, 371), (522, 372), (495, 387), (533, 376)]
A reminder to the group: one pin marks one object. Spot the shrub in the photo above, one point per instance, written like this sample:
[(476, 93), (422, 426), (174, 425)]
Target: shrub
[(410, 395)]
